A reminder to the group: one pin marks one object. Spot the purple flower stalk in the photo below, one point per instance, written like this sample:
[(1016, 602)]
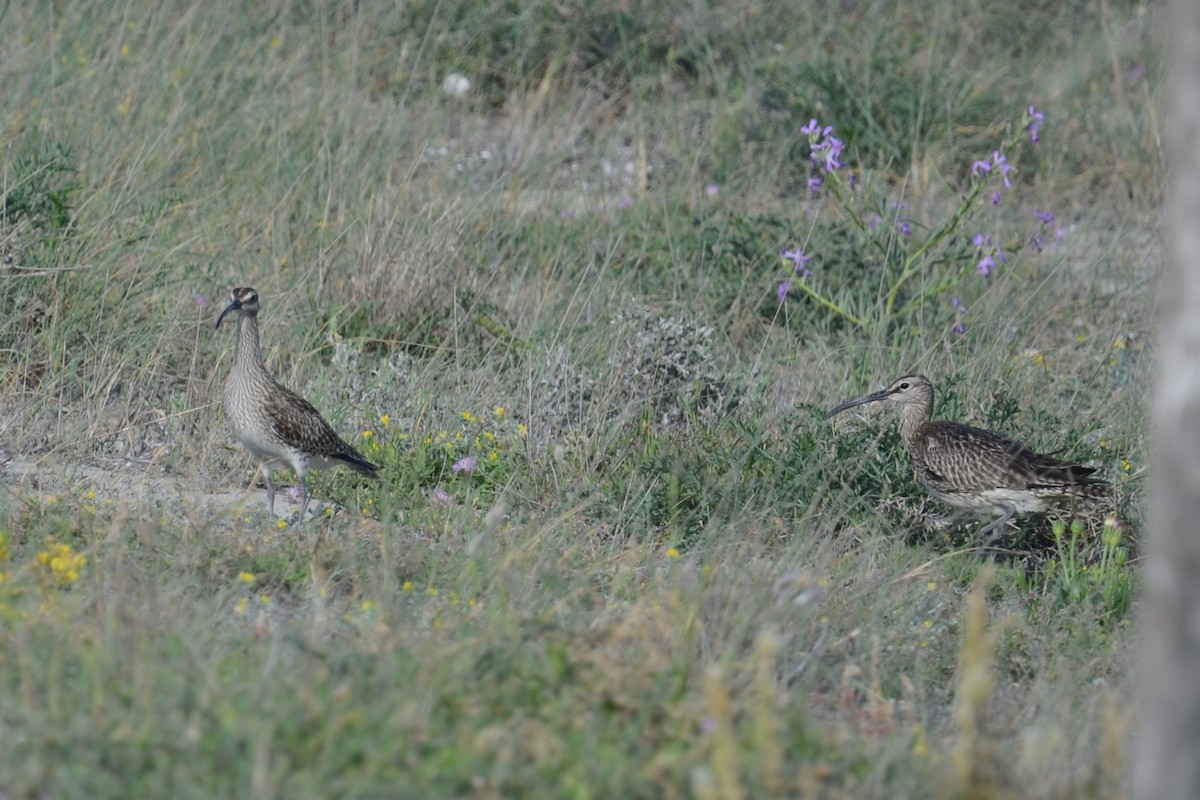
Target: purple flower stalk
[(958, 305), (1037, 120), (799, 261), (1046, 217), (465, 465), (986, 265), (814, 184), (782, 291)]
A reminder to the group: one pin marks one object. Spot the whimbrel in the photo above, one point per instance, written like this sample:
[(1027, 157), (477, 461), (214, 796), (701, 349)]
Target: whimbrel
[(971, 468), (279, 427)]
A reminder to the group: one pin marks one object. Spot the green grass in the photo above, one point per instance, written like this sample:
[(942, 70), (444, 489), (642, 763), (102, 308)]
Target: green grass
[(666, 575)]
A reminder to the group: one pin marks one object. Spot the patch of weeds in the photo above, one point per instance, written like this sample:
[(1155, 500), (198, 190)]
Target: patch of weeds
[(38, 191), (471, 460), (671, 370), (880, 106), (1105, 582)]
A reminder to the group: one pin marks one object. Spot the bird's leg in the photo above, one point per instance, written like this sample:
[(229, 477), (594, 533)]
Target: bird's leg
[(995, 527), (270, 491), (303, 500)]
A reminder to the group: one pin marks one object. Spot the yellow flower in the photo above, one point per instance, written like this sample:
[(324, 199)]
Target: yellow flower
[(521, 429), (433, 592), (931, 586), (265, 598), (498, 412), (63, 562), (367, 434), (408, 586), (468, 416), (672, 552), (384, 419), (281, 524), (246, 577), (927, 624), (366, 605), (241, 605), (493, 456)]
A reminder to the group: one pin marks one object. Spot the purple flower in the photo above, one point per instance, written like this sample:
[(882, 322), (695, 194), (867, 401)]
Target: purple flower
[(980, 167), (959, 329), (442, 497), (799, 261), (830, 149), (712, 190), (814, 184), (958, 305), (986, 265), (293, 493), (825, 149), (782, 291), (1001, 163), (982, 241), (465, 465), (1046, 217), (996, 198), (873, 221), (1036, 244), (1037, 120), (904, 228)]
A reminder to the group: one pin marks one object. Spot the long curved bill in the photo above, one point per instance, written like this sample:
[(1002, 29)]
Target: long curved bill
[(873, 397), (234, 306)]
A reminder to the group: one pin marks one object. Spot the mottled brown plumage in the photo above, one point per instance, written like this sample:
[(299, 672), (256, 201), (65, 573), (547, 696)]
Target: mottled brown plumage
[(279, 427), (975, 469)]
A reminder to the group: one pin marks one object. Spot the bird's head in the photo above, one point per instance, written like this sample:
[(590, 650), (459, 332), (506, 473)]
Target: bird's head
[(244, 301)]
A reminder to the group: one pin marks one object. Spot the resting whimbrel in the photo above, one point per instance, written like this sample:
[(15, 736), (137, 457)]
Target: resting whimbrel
[(975, 469), (279, 427)]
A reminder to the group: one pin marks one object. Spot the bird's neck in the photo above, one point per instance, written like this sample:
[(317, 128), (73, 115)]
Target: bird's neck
[(913, 419), (248, 356)]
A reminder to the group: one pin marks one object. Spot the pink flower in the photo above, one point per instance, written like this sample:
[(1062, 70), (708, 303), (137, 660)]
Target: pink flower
[(465, 465)]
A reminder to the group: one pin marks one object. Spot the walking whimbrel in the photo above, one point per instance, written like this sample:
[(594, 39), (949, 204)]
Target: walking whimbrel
[(974, 469), (279, 427)]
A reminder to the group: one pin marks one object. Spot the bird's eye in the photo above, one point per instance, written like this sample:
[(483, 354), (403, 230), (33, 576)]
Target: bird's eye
[(904, 386)]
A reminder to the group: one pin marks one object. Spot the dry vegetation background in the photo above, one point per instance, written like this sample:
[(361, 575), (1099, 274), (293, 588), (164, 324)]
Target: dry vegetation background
[(662, 574)]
